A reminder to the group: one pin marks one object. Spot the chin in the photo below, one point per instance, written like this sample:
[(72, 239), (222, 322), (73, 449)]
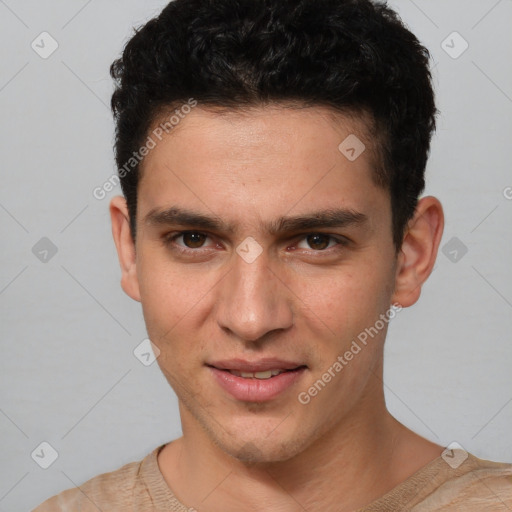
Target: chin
[(263, 450)]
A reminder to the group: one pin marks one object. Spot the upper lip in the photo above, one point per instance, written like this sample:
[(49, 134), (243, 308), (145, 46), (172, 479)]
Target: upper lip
[(255, 366)]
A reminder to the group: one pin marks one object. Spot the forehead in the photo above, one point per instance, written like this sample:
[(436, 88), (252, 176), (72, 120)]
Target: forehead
[(300, 133), (261, 164)]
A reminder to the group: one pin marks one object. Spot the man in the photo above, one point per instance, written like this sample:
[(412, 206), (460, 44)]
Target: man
[(272, 156)]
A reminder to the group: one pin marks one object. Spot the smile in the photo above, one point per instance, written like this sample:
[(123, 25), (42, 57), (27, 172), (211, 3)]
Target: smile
[(257, 375), (256, 386)]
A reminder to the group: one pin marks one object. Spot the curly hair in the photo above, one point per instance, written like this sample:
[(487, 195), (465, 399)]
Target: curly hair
[(354, 56)]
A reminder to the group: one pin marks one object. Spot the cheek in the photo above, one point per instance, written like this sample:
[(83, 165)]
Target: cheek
[(164, 286), (173, 302), (165, 296), (343, 301)]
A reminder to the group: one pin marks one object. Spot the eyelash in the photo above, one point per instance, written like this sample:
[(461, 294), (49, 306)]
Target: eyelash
[(170, 238)]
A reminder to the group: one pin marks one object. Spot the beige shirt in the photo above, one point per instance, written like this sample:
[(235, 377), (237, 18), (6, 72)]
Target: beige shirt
[(475, 485)]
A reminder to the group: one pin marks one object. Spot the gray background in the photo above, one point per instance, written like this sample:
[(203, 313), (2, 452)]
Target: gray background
[(68, 373)]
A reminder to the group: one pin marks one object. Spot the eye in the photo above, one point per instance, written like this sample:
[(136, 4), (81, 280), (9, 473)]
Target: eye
[(190, 240), (320, 241), (193, 239)]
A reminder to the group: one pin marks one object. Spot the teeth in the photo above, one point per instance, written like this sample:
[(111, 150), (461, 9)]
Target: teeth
[(257, 375)]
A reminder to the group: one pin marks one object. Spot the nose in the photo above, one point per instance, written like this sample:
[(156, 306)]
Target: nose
[(253, 301)]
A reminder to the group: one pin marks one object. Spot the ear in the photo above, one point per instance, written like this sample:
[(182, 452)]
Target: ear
[(419, 251), (125, 246)]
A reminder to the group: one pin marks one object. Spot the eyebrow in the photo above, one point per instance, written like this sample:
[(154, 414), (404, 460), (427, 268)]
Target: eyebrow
[(329, 218)]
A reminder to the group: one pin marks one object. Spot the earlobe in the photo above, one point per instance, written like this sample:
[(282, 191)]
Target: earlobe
[(125, 247), (419, 251)]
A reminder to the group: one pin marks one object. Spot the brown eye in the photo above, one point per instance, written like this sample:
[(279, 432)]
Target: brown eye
[(318, 241), (193, 239)]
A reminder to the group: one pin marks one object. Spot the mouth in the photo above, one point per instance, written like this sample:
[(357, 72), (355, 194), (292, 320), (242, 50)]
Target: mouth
[(257, 381), (262, 375)]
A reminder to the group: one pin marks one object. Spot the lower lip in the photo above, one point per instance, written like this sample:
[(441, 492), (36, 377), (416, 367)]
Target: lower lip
[(256, 390)]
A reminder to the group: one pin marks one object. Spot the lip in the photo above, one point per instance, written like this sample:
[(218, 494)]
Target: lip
[(256, 390), (261, 365)]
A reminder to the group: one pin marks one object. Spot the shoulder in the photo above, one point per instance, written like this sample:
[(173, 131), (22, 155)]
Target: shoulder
[(114, 488), (480, 485)]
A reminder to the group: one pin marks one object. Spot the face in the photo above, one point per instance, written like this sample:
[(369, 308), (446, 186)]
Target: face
[(261, 246)]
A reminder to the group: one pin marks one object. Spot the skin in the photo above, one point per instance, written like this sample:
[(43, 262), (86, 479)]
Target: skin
[(297, 301)]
